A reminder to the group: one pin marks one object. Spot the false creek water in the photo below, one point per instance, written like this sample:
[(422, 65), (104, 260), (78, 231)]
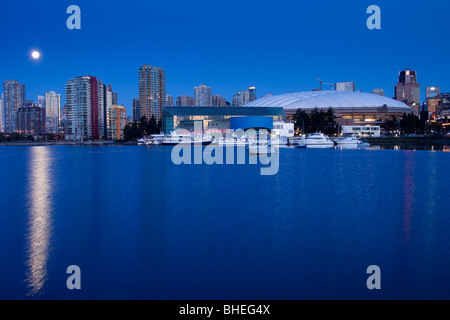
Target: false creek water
[(141, 227)]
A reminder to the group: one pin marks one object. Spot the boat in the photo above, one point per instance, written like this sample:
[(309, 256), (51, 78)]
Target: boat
[(180, 139), (157, 138), (319, 140), (294, 141), (232, 142), (352, 141), (298, 142), (348, 141), (262, 148)]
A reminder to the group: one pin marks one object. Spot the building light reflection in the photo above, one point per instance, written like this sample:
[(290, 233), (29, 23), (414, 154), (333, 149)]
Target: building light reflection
[(39, 222)]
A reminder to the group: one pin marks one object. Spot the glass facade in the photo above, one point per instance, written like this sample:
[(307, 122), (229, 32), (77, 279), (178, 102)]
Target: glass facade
[(213, 118)]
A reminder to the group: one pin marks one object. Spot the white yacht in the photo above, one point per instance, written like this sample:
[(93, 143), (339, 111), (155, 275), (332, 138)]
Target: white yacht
[(232, 142), (175, 139), (319, 140), (351, 141)]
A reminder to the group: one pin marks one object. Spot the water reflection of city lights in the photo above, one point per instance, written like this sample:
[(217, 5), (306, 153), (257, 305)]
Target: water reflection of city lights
[(39, 222)]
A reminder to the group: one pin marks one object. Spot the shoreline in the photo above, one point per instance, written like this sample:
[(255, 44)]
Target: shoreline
[(382, 141)]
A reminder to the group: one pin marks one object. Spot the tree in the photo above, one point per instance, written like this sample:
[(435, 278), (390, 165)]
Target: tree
[(330, 122), (317, 120), (302, 121), (391, 124)]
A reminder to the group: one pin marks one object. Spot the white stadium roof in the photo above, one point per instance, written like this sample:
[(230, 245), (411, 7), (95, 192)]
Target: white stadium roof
[(326, 99)]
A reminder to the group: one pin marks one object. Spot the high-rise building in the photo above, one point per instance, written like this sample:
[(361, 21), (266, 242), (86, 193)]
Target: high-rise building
[(378, 91), (117, 122), (52, 112), (202, 96), (30, 120), (407, 89), (85, 108), (41, 102), (13, 99), (252, 91), (110, 98), (345, 86), (136, 116), (243, 97), (152, 91), (236, 101), (1, 113), (433, 91), (169, 101), (185, 101), (218, 101)]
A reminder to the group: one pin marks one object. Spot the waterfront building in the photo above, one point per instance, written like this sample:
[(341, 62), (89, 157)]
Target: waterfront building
[(283, 129), (30, 120), (362, 131), (52, 112), (118, 121), (443, 105), (213, 118), (350, 107), (152, 91), (407, 89), (13, 99), (345, 86), (185, 101), (85, 108), (202, 96)]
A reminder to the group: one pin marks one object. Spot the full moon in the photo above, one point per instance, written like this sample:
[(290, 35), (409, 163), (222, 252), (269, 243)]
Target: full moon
[(35, 54)]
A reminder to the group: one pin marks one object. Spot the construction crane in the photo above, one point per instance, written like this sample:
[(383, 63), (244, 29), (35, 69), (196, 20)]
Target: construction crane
[(332, 85)]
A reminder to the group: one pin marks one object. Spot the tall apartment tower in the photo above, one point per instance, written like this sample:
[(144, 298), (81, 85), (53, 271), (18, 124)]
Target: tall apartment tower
[(218, 101), (52, 112), (85, 108), (152, 91), (169, 101), (185, 101), (202, 96), (13, 99), (1, 113), (252, 91), (407, 89), (136, 116)]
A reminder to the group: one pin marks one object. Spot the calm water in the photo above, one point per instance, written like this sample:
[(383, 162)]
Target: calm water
[(140, 227)]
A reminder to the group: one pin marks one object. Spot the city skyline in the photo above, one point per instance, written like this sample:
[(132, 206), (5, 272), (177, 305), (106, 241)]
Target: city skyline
[(282, 55)]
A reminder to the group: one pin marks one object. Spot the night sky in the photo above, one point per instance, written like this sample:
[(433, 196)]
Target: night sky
[(278, 46)]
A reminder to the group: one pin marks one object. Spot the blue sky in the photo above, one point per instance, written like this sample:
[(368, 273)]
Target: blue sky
[(278, 46)]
